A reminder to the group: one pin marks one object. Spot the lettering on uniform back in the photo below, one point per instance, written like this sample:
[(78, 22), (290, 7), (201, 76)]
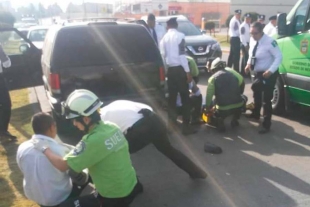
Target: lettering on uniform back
[(116, 141)]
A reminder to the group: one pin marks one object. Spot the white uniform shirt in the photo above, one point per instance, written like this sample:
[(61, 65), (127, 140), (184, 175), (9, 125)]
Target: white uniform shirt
[(268, 54), (151, 31), (43, 183), (123, 113), (234, 26), (194, 90), (270, 30), (172, 47), (160, 31), (245, 33), (4, 59)]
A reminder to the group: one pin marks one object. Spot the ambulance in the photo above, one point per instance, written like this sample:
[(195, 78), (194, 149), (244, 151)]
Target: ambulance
[(293, 84)]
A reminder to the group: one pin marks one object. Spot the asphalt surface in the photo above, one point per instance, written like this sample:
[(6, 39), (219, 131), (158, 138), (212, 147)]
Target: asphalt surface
[(254, 170), (271, 170)]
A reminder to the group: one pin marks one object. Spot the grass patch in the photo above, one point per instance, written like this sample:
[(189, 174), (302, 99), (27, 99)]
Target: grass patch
[(222, 39), (11, 178)]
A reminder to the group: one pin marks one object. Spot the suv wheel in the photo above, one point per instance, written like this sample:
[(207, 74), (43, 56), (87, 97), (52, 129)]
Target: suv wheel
[(278, 104)]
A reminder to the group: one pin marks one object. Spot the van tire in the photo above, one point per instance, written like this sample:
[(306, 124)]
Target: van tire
[(278, 103)]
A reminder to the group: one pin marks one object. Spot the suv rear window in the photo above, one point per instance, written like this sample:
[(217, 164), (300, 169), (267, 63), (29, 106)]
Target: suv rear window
[(104, 45)]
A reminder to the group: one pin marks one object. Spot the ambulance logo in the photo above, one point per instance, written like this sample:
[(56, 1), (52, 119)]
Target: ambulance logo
[(304, 46)]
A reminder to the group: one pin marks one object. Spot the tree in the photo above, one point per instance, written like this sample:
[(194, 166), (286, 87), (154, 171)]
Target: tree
[(228, 20), (72, 8), (57, 9), (31, 10), (41, 10), (54, 10), (7, 18), (210, 26)]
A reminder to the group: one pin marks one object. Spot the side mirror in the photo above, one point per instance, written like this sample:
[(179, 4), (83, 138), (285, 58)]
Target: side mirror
[(282, 25), (24, 48), (203, 32)]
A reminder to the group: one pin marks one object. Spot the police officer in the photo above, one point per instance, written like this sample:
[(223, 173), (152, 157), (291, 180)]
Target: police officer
[(265, 58), (226, 88), (234, 54), (271, 29), (5, 99), (193, 68), (195, 103), (245, 40), (151, 22), (261, 19), (103, 151), (172, 47), (142, 127)]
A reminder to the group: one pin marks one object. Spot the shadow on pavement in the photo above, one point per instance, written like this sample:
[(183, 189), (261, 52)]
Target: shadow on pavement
[(19, 120), (250, 174), (21, 117), (7, 196)]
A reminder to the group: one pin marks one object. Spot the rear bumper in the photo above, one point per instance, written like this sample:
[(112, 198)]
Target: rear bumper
[(154, 99)]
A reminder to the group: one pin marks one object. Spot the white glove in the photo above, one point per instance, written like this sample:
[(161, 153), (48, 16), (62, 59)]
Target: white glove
[(40, 145)]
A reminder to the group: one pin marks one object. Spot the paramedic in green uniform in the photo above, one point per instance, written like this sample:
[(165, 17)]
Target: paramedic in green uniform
[(193, 68), (103, 150), (227, 89)]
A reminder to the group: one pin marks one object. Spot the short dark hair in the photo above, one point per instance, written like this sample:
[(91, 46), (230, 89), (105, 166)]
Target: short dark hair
[(258, 26), (41, 122), (172, 22), (151, 17), (274, 17)]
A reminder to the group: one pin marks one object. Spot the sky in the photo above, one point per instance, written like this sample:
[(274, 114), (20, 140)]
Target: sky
[(62, 3)]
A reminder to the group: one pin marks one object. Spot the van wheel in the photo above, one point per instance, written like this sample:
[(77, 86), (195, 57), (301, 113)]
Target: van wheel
[(278, 103)]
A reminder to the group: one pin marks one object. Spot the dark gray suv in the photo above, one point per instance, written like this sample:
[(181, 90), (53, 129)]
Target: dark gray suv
[(199, 46), (114, 60)]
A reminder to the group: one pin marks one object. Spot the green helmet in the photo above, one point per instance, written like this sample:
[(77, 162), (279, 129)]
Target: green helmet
[(217, 64), (80, 103)]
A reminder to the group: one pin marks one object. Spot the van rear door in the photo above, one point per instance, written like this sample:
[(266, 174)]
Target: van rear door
[(114, 61)]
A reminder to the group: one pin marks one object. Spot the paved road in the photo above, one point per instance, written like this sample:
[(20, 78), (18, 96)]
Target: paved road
[(254, 170)]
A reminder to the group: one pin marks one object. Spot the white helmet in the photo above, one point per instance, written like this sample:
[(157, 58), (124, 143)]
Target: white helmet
[(80, 103), (218, 63)]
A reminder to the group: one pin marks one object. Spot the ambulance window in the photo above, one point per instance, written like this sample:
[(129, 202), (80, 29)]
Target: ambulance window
[(307, 27), (300, 15)]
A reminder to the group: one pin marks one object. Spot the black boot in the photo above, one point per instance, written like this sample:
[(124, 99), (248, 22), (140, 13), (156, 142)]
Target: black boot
[(264, 130), (199, 175), (220, 125), (187, 130), (8, 135), (234, 123), (253, 116)]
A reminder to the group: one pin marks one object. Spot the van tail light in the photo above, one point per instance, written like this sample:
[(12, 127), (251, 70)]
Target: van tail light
[(55, 83), (162, 75)]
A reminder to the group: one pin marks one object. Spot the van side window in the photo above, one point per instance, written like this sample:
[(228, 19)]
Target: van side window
[(300, 15), (48, 45), (11, 42)]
